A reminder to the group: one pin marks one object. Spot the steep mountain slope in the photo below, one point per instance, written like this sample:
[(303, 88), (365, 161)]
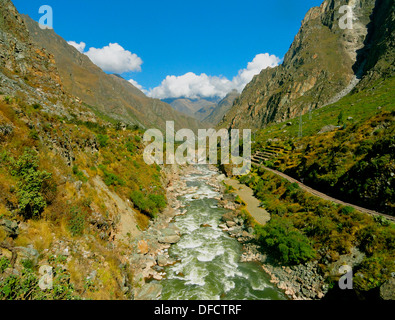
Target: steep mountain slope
[(69, 181), (108, 94), (221, 108), (323, 64), (28, 71)]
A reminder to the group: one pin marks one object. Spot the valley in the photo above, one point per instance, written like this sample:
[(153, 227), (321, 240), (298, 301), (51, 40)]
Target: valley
[(79, 198)]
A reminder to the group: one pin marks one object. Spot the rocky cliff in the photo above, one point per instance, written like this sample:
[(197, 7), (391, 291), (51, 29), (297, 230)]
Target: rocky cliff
[(27, 71), (221, 108), (323, 64)]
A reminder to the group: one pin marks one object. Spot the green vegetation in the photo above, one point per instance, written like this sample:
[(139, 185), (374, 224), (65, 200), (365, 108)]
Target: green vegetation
[(32, 184), (304, 227), (38, 172), (79, 174), (358, 107), (4, 264), (150, 204), (284, 241), (354, 162), (76, 223), (25, 286), (111, 179), (102, 139)]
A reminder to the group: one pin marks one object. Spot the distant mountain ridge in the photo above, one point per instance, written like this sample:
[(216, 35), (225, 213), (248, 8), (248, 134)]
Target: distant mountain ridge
[(209, 111), (196, 108)]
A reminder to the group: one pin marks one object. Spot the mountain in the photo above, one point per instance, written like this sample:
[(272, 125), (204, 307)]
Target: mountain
[(28, 71), (74, 188), (208, 111), (221, 108), (196, 108), (323, 64), (107, 94)]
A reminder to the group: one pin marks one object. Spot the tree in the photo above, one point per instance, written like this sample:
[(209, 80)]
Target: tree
[(340, 118)]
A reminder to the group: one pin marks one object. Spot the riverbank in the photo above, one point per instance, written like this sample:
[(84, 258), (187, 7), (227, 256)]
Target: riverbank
[(300, 282), (152, 246)]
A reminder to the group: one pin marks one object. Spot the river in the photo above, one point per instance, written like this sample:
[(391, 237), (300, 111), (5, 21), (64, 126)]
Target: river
[(209, 267)]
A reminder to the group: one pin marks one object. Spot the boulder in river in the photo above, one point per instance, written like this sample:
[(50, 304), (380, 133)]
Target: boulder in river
[(230, 223), (169, 235), (164, 261)]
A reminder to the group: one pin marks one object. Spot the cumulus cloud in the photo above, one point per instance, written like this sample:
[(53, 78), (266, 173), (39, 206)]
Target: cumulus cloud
[(79, 46), (111, 58), (138, 86), (191, 86), (194, 86), (114, 58)]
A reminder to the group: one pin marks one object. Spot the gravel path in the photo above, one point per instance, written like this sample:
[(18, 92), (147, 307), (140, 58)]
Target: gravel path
[(252, 204)]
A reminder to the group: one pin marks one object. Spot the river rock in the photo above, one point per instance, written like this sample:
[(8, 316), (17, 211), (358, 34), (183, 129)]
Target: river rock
[(387, 290), (164, 261), (169, 235), (169, 239), (230, 223), (28, 253), (149, 291), (142, 247)]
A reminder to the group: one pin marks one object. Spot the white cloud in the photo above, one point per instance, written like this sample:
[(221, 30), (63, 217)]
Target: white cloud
[(191, 86), (194, 86), (111, 58), (79, 46), (114, 58), (138, 86)]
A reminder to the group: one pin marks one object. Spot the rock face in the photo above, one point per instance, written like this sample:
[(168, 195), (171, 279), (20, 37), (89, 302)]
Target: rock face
[(221, 108), (26, 69), (323, 64), (10, 227)]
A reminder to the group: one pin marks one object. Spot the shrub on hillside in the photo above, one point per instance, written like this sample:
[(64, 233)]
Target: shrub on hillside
[(31, 184), (76, 223), (102, 139), (285, 242), (150, 205)]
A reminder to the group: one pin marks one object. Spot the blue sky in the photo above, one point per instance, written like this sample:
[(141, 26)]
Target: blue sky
[(210, 37)]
